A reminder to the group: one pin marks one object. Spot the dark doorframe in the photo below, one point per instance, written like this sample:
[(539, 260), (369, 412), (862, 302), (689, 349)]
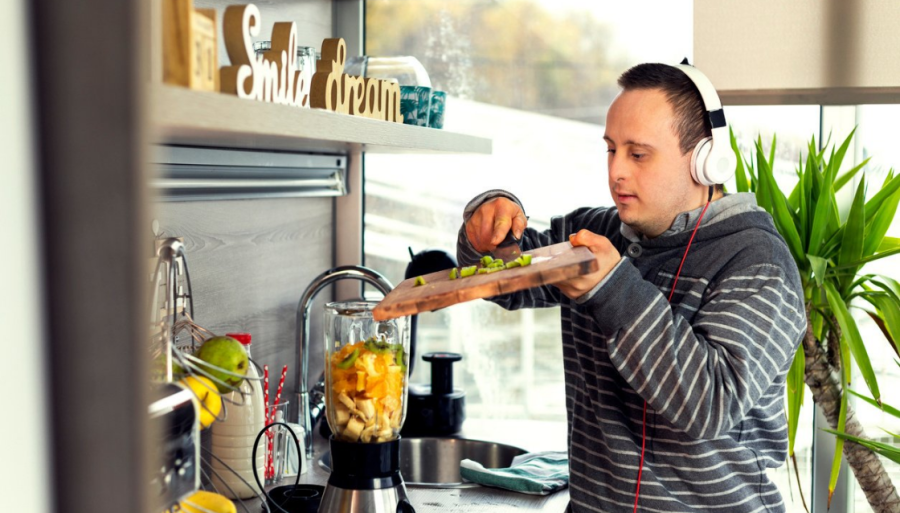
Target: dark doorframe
[(88, 97)]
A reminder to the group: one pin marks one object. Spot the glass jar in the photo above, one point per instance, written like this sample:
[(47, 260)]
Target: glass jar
[(366, 373)]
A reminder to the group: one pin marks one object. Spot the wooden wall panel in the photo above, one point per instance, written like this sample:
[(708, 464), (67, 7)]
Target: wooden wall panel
[(250, 261)]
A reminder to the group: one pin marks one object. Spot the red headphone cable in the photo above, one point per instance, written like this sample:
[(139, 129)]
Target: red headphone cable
[(637, 492)]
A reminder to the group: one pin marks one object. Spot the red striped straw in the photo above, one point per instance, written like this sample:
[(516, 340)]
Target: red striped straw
[(274, 407), (266, 392), (266, 407), (280, 385)]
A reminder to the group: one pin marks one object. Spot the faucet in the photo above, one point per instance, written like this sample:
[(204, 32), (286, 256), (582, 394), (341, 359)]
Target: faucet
[(311, 407)]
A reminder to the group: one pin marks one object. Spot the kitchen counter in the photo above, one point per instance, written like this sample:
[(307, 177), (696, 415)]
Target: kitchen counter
[(529, 435)]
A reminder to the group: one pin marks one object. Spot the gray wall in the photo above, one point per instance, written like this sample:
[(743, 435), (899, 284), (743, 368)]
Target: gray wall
[(251, 260)]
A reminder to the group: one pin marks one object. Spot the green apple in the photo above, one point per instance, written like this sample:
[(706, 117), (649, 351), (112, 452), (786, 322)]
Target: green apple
[(225, 353)]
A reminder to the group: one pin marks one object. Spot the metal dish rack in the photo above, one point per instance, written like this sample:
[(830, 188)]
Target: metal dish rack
[(175, 337)]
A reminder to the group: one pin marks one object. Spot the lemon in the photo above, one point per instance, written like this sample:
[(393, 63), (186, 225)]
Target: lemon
[(207, 401), (208, 501)]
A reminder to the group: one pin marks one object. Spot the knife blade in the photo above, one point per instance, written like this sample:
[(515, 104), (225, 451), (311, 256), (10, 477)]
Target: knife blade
[(509, 249)]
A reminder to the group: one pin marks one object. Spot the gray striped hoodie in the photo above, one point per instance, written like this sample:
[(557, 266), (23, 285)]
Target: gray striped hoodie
[(711, 365)]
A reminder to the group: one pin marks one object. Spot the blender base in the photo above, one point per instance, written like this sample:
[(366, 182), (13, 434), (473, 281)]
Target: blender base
[(365, 478), (359, 501)]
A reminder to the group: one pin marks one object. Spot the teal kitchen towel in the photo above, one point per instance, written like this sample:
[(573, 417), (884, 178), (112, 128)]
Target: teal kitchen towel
[(537, 473)]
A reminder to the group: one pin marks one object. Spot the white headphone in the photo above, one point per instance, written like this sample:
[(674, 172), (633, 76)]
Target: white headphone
[(713, 161)]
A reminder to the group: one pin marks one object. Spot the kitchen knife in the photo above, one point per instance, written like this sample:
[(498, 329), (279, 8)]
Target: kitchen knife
[(508, 250)]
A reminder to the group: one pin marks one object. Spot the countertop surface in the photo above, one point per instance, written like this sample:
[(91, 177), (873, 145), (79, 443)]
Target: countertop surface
[(529, 435)]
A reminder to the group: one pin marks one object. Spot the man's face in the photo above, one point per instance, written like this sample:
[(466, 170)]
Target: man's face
[(649, 179)]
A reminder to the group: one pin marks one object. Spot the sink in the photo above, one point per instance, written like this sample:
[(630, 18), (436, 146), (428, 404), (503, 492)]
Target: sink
[(434, 462)]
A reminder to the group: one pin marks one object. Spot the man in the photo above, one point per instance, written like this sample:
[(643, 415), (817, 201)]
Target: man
[(696, 379)]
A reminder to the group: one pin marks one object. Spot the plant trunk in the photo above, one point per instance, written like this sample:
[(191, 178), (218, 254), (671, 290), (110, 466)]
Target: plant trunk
[(826, 392)]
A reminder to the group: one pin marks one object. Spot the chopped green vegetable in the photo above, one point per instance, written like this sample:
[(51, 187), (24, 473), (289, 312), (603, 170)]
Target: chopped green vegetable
[(454, 273), (465, 272), (524, 260), (498, 262), (378, 346), (399, 356), (486, 260), (419, 281), (484, 270), (514, 263), (348, 362)]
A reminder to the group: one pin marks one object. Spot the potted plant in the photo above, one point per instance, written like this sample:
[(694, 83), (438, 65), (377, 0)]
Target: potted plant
[(830, 254)]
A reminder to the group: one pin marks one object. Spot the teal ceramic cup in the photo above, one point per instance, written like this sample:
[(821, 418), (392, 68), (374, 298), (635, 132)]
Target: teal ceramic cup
[(409, 105), (424, 107), (436, 115)]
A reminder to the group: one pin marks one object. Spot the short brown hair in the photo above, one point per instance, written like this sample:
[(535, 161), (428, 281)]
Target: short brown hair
[(691, 124)]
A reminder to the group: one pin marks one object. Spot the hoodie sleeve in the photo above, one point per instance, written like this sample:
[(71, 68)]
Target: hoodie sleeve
[(702, 377), (560, 228)]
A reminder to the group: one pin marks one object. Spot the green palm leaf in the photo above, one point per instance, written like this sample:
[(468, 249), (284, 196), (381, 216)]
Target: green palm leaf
[(851, 338), (795, 396), (879, 224), (740, 175), (854, 235), (839, 442), (881, 406), (889, 243), (888, 451)]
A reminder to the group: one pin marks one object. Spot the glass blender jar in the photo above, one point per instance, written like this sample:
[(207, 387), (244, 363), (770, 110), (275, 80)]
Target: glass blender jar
[(366, 375)]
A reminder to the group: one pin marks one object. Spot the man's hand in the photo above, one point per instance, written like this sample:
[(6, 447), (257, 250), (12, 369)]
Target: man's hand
[(607, 257), (491, 222)]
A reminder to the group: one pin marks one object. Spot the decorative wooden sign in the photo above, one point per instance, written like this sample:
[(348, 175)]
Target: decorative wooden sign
[(333, 90), (271, 77), (190, 46), (274, 77)]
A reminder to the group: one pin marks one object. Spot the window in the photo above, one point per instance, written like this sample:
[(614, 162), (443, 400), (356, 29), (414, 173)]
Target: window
[(536, 77), (793, 126), (876, 138)]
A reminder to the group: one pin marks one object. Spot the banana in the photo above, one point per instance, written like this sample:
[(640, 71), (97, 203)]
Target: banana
[(203, 502)]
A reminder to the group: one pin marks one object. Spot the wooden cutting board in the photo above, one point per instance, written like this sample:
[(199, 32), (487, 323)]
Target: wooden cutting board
[(549, 265)]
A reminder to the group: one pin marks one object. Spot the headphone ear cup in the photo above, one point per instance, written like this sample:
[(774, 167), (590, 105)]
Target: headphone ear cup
[(699, 159), (720, 164)]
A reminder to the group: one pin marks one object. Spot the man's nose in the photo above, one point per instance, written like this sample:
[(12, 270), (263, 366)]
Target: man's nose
[(618, 170)]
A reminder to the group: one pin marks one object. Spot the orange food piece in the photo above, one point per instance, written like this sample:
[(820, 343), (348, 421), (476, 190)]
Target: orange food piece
[(345, 385), (378, 391)]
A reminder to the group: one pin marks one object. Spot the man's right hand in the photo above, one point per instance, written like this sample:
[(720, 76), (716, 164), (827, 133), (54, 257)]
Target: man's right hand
[(491, 222)]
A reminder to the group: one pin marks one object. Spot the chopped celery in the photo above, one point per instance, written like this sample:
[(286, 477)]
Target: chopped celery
[(419, 281), (498, 262), (465, 272), (454, 273), (486, 260), (524, 260), (514, 263)]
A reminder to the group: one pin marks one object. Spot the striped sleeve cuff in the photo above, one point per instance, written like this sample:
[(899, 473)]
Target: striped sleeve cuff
[(622, 298), (591, 293)]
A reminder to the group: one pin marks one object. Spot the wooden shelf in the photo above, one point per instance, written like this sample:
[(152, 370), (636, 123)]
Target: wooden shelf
[(186, 117)]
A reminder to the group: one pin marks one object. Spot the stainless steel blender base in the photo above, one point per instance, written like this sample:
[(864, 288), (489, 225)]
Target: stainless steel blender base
[(384, 500)]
